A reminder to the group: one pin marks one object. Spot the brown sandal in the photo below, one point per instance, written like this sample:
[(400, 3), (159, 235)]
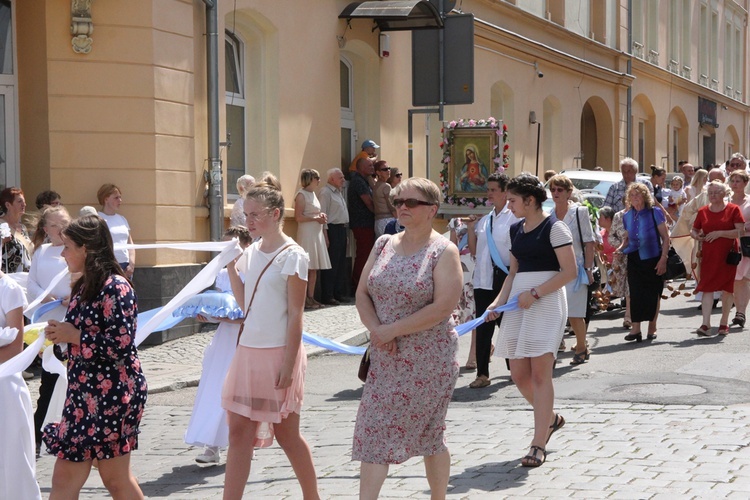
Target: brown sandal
[(531, 459), (479, 382)]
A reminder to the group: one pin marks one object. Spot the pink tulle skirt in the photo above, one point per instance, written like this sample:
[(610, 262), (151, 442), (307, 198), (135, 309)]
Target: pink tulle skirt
[(249, 388)]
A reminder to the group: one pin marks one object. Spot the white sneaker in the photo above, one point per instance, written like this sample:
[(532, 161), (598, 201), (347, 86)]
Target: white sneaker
[(210, 455)]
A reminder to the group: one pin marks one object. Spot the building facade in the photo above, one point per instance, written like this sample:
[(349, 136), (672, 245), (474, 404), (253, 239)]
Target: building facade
[(123, 97)]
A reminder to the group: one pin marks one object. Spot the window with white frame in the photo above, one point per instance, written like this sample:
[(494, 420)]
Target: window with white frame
[(348, 129), (235, 110)]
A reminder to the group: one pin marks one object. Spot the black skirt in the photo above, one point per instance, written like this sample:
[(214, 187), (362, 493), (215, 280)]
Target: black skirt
[(645, 287)]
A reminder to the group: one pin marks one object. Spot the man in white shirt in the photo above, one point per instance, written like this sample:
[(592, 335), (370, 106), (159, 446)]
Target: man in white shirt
[(333, 204), (492, 229)]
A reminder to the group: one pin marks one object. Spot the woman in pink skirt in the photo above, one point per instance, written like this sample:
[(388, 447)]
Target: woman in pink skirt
[(262, 393)]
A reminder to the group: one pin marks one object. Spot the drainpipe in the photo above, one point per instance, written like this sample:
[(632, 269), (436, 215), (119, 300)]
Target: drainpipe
[(629, 131), (215, 196)]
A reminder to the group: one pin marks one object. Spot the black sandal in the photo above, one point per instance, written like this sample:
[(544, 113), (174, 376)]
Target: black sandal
[(739, 319), (531, 459), (580, 357), (556, 425)]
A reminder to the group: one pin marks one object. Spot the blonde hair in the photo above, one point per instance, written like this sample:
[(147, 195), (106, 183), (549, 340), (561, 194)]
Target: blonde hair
[(267, 192), (244, 182), (562, 181), (648, 200), (425, 187), (699, 180), (307, 176), (719, 185)]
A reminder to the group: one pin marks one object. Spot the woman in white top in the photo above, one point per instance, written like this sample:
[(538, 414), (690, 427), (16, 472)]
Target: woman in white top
[(46, 263), (576, 217), (310, 222), (244, 183), (110, 198), (264, 386), (17, 462)]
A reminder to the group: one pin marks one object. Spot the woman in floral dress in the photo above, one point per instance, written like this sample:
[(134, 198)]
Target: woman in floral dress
[(106, 388), (413, 284)]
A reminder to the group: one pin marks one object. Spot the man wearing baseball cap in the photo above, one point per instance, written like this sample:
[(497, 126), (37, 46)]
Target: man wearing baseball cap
[(368, 151)]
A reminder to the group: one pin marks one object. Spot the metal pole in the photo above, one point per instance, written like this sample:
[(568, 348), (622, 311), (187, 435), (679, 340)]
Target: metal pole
[(538, 137), (629, 107), (410, 132), (215, 194), (441, 62)]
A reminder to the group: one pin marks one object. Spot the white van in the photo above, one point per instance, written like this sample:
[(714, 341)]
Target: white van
[(593, 185)]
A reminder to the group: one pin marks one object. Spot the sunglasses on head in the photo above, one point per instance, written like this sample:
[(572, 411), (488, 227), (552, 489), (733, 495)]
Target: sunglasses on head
[(409, 202)]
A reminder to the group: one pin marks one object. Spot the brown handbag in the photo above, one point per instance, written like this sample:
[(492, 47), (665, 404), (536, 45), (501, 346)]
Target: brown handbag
[(364, 365)]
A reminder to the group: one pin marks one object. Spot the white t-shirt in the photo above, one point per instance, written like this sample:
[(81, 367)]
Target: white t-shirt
[(11, 297), (118, 226), (483, 271), (47, 263), (266, 322)]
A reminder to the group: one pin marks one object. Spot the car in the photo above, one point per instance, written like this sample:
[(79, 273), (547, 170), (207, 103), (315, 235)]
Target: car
[(593, 186)]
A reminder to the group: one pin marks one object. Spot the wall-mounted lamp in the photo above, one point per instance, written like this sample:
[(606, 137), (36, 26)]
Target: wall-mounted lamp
[(724, 107), (385, 45), (539, 74)]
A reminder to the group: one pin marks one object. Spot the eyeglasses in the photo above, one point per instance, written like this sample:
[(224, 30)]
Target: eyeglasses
[(735, 164), (410, 202), (398, 175), (255, 217), (557, 190), (386, 169)]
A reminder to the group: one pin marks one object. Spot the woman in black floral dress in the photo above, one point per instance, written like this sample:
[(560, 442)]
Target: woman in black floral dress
[(106, 388)]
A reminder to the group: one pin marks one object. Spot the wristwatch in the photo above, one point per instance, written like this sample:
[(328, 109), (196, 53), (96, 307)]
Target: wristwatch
[(534, 293)]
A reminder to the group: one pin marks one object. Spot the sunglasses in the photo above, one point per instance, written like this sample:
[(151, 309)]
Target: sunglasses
[(557, 190), (410, 202), (386, 169), (398, 175)]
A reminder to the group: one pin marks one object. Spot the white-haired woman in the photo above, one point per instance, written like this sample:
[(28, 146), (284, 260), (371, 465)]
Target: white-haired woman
[(244, 183)]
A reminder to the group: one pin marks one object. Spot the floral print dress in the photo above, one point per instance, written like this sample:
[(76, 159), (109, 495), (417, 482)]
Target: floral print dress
[(106, 388), (406, 396)]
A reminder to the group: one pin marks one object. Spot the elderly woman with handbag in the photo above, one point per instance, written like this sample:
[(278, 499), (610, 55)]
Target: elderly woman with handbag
[(717, 227), (411, 284), (646, 245)]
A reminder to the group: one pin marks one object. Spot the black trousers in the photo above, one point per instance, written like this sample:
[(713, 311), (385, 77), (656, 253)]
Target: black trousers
[(332, 280), (485, 331), (42, 404)]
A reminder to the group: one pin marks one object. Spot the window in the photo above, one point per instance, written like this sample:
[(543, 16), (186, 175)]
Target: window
[(348, 129), (235, 111)]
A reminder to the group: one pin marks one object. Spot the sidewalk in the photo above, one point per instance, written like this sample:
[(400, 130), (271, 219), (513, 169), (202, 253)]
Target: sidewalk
[(615, 450)]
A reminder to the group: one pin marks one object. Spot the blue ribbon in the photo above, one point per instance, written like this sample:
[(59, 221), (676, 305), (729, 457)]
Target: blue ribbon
[(494, 253), (325, 343), (464, 241), (581, 279), (43, 309), (464, 328)]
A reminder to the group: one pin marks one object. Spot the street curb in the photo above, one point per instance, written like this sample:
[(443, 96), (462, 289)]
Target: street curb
[(354, 338)]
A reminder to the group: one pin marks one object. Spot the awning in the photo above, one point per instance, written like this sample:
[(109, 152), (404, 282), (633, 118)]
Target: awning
[(389, 15)]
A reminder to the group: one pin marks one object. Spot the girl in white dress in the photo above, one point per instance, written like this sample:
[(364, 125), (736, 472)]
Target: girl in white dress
[(208, 422), (17, 459), (542, 262), (310, 221)]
